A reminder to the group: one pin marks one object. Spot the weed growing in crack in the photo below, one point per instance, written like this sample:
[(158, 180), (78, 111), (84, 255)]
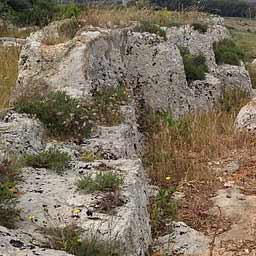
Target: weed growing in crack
[(163, 211), (9, 176), (194, 65), (202, 28), (88, 156), (68, 238), (103, 181), (106, 105), (52, 159), (147, 26)]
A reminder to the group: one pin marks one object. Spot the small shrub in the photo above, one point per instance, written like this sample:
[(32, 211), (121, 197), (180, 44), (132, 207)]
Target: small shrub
[(103, 181), (163, 210), (68, 11), (106, 105), (202, 28), (8, 178), (89, 156), (68, 239), (146, 26), (62, 115), (194, 65), (227, 52), (52, 159)]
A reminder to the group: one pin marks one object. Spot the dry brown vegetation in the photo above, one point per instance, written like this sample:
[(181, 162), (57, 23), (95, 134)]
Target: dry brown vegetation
[(8, 72), (179, 154), (15, 32), (117, 16)]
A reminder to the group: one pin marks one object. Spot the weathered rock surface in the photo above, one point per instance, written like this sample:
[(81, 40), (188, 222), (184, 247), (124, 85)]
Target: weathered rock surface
[(20, 135), (95, 58), (10, 42), (246, 118), (17, 242), (150, 66), (183, 241)]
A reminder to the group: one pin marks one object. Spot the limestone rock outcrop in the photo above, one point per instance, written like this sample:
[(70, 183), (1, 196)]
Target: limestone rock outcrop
[(151, 66), (246, 118), (20, 135), (153, 71)]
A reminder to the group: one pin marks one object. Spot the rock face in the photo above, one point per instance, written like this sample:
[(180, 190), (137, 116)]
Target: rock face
[(246, 118), (150, 66), (152, 69), (20, 135), (183, 241)]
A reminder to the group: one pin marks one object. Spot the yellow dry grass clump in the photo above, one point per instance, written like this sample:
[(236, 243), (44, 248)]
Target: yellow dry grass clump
[(119, 16), (9, 57)]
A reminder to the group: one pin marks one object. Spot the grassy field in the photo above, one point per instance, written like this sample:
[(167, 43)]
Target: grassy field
[(8, 73)]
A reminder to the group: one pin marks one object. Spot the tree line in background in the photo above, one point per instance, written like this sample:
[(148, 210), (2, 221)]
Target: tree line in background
[(232, 8), (40, 12), (35, 12)]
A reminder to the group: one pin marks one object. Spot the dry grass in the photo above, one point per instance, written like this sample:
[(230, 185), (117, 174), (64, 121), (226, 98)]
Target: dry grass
[(8, 73), (178, 156), (252, 71), (17, 33), (241, 24), (182, 149), (121, 17)]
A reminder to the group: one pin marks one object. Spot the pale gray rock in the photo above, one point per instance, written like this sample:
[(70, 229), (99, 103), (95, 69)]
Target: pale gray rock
[(17, 242), (156, 73), (93, 59), (198, 43), (235, 77), (246, 118), (20, 135), (150, 66), (183, 241), (121, 141), (128, 226)]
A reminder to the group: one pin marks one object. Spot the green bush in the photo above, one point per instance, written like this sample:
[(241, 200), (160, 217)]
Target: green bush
[(194, 65), (202, 28), (103, 181), (61, 114), (227, 52), (52, 159), (146, 26), (68, 11), (9, 176)]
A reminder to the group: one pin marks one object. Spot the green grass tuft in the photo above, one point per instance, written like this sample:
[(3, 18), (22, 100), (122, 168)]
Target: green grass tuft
[(9, 176), (202, 28), (103, 181), (68, 239), (194, 65), (52, 159), (227, 52)]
